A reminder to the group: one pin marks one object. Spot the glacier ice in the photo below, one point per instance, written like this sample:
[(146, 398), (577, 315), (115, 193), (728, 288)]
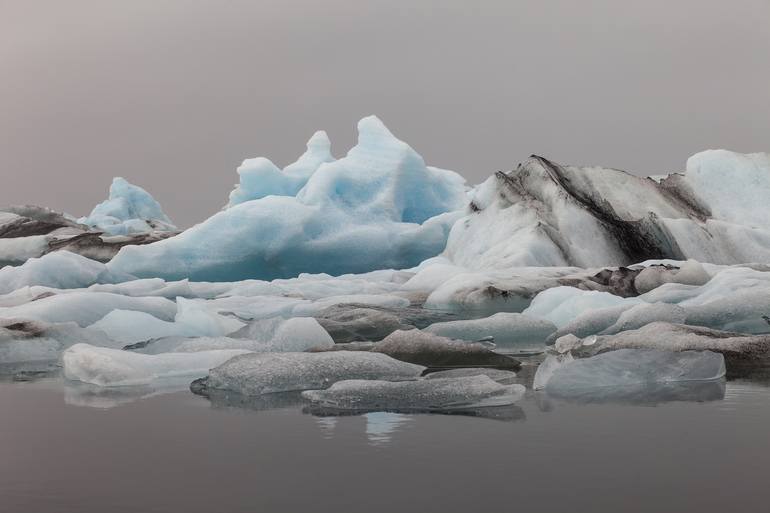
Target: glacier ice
[(431, 350), (738, 348), (23, 340), (31, 232), (504, 377), (422, 395), (62, 270), (633, 368), (543, 213), (265, 373), (129, 209), (86, 308), (645, 313), (548, 367), (378, 207), (192, 319), (561, 305), (689, 273), (510, 331), (114, 367), (259, 177)]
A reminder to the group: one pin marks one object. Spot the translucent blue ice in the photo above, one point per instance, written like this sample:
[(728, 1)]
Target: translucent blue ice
[(379, 207)]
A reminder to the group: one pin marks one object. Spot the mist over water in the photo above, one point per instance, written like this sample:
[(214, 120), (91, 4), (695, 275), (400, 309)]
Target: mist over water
[(173, 95)]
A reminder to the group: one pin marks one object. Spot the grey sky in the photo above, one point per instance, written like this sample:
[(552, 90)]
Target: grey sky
[(173, 94)]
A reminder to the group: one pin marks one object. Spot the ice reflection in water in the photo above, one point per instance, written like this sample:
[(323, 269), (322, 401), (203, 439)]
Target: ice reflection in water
[(646, 394), (380, 426)]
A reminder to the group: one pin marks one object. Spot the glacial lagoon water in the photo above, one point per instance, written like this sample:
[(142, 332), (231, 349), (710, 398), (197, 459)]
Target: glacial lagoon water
[(66, 448)]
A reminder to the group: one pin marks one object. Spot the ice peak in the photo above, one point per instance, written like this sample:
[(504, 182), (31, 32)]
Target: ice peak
[(371, 128), (129, 209), (319, 142)]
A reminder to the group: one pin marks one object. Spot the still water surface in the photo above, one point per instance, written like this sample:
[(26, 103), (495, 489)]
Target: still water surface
[(63, 449)]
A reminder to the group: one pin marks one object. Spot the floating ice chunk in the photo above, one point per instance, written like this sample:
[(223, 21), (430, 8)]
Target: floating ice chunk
[(201, 321), (561, 305), (503, 377), (644, 313), (354, 324), (738, 348), (422, 395), (378, 207), (548, 367), (690, 273), (23, 340), (378, 300), (636, 368), (264, 373), (86, 308), (477, 293), (434, 351), (510, 331), (591, 322), (17, 250), (267, 335), (192, 319), (61, 269), (113, 367), (295, 334), (129, 209), (745, 311)]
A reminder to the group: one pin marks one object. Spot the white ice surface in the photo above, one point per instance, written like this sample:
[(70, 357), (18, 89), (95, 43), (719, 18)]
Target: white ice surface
[(114, 367)]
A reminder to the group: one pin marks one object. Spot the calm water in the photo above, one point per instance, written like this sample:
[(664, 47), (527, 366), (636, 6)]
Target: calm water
[(70, 449)]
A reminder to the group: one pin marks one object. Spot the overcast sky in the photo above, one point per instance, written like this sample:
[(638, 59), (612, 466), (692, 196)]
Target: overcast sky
[(173, 94)]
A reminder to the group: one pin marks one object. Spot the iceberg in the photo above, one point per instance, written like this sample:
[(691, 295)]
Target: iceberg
[(435, 395), (509, 331), (259, 177), (266, 373), (546, 214), (31, 232), (378, 207), (113, 367), (128, 210)]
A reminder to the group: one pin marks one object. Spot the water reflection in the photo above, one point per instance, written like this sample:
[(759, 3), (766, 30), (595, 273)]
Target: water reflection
[(92, 396), (504, 413), (221, 399), (646, 395)]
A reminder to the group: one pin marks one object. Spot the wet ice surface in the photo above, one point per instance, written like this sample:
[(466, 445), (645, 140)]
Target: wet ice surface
[(179, 452)]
